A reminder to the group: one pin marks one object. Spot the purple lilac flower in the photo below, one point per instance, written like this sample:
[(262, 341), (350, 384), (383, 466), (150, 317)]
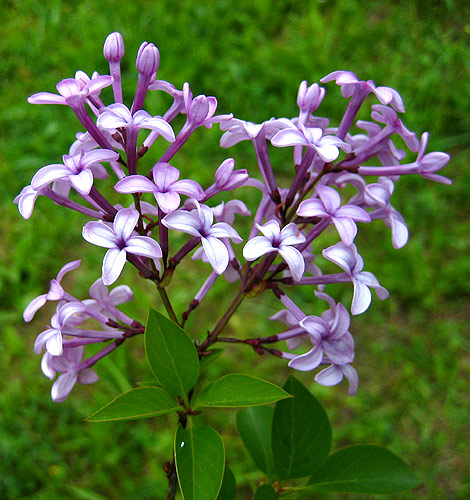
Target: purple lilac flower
[(79, 170), (68, 314), (121, 240), (378, 195), (335, 373), (200, 110), (348, 259), (330, 337), (105, 301), (69, 363), (165, 186), (276, 240), (350, 85), (118, 116), (328, 206), (327, 147), (239, 130), (198, 222), (55, 293)]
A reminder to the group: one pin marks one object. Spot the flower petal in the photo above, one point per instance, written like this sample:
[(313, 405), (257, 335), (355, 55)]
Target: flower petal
[(308, 361), (295, 261), (63, 386), (98, 233), (216, 253), (145, 246), (113, 264), (256, 247)]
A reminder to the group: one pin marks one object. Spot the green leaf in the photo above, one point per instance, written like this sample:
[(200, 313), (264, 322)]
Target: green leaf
[(237, 389), (142, 402), (171, 354), (200, 459), (265, 492), (254, 427), (301, 432), (364, 468), (228, 490)]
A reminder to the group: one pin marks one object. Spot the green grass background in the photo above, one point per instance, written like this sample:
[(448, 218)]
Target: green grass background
[(412, 350)]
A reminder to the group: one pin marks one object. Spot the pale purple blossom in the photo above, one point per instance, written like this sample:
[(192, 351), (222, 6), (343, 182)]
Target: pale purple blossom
[(378, 195), (118, 116), (351, 85), (327, 147), (68, 314), (200, 110), (328, 206), (309, 99), (165, 186), (121, 240), (428, 164), (199, 222), (348, 259), (55, 293), (281, 241), (335, 373), (72, 370), (79, 170), (237, 130), (330, 337)]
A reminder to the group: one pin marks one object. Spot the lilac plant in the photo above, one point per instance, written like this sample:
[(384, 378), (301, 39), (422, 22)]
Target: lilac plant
[(273, 253)]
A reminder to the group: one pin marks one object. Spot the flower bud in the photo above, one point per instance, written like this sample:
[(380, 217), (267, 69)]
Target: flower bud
[(199, 109), (226, 179), (148, 59), (113, 49), (309, 98)]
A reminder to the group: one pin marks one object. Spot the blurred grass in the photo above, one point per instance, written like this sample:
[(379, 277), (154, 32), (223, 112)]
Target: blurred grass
[(412, 350)]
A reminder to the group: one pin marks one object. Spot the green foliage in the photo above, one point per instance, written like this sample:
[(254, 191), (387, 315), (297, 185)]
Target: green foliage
[(171, 354), (200, 459), (254, 427), (228, 490), (238, 389), (142, 402), (301, 432), (364, 468)]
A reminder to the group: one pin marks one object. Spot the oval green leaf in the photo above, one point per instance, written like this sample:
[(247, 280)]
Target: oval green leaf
[(265, 492), (301, 432), (364, 468), (254, 427), (238, 389), (142, 402), (171, 354), (228, 490), (200, 459)]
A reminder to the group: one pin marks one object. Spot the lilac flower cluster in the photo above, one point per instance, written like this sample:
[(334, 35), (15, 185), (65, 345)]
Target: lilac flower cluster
[(326, 160)]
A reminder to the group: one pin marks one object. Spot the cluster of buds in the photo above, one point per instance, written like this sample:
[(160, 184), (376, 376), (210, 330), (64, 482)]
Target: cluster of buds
[(326, 160)]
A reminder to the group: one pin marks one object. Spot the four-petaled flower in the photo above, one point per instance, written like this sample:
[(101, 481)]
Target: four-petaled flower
[(78, 169), (198, 222), (348, 259), (165, 186), (69, 363), (68, 314), (330, 337), (351, 85), (120, 240), (327, 147), (56, 292), (280, 241), (118, 116), (328, 206)]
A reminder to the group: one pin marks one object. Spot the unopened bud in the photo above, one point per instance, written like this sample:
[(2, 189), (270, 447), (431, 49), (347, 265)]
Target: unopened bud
[(148, 59), (309, 98), (113, 49)]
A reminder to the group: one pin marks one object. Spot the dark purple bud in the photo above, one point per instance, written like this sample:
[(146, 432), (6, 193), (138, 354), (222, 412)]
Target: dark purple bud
[(113, 49), (148, 59)]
